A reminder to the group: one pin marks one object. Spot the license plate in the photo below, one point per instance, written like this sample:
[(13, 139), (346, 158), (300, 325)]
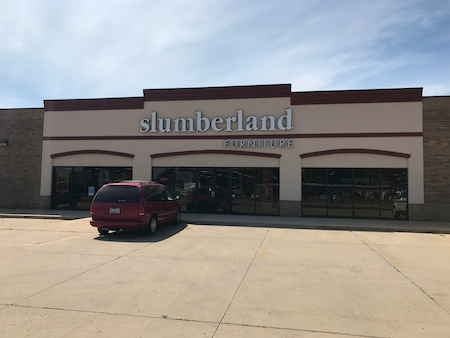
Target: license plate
[(114, 210)]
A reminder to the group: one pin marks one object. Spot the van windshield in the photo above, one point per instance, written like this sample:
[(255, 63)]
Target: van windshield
[(118, 194)]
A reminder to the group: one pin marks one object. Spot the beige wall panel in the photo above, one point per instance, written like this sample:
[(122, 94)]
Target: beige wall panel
[(354, 161), (215, 160), (358, 118), (92, 122), (290, 178), (328, 118), (91, 160), (407, 145), (126, 122)]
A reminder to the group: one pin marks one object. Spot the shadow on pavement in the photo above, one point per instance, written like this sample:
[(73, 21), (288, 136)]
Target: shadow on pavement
[(163, 232)]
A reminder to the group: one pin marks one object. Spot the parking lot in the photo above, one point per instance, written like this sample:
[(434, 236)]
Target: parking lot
[(60, 278)]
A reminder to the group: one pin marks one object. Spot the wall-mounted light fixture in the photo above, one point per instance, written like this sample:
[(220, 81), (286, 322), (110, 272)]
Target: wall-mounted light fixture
[(3, 143)]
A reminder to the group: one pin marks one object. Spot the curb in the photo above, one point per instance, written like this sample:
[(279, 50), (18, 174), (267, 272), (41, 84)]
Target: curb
[(34, 216), (327, 227), (385, 229)]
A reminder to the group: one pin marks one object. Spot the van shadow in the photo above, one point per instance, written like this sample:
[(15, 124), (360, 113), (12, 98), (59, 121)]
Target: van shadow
[(163, 232)]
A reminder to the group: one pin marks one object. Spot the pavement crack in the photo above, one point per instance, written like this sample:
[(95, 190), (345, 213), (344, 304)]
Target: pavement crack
[(66, 280), (372, 246), (111, 313), (305, 330), (240, 283)]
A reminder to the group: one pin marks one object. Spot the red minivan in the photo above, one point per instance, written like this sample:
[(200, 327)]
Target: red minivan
[(133, 205)]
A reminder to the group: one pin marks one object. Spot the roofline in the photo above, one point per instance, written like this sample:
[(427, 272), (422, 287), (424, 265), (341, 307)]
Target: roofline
[(240, 92), (218, 93), (357, 96), (35, 108)]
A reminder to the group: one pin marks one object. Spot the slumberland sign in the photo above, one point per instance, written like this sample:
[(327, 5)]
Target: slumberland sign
[(237, 123)]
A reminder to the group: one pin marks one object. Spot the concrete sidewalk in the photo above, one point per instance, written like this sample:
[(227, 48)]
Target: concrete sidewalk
[(260, 221), (319, 223), (44, 214)]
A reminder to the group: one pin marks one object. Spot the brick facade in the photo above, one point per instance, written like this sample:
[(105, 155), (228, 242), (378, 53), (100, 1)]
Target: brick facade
[(21, 159), (436, 142)]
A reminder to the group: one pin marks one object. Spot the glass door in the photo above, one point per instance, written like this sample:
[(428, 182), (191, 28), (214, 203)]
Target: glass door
[(204, 193), (185, 190), (267, 191), (222, 194), (243, 194), (214, 191), (340, 192)]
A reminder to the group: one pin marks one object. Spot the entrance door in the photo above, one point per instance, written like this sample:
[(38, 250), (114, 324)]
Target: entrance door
[(222, 194), (204, 192), (214, 191), (243, 191)]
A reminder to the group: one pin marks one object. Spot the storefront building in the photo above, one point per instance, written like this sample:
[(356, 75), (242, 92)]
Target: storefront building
[(261, 150)]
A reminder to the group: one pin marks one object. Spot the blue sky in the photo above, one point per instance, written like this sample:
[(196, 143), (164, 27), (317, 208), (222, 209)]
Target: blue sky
[(68, 49)]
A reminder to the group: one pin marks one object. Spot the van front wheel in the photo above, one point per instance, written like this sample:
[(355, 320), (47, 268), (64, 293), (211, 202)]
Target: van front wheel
[(178, 217)]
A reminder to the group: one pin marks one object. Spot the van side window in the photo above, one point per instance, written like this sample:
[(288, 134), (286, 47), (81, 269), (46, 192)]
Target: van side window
[(163, 194), (151, 194), (169, 195), (156, 194)]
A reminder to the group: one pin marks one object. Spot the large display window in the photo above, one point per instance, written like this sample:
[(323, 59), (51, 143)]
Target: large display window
[(74, 187), (355, 192), (223, 190)]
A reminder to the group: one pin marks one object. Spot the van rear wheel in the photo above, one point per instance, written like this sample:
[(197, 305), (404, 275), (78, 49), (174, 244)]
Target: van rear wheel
[(103, 231), (152, 225)]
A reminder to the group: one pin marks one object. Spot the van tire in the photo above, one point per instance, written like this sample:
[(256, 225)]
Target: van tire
[(178, 217), (151, 227), (103, 231)]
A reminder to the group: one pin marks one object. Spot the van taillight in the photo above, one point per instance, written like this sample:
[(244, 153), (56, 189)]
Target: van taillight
[(141, 211), (92, 210)]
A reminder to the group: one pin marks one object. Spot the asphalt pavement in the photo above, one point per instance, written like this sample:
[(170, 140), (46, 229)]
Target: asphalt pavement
[(60, 278)]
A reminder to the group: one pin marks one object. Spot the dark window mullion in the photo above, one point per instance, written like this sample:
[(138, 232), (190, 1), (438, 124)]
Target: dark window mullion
[(379, 191), (327, 184), (353, 192)]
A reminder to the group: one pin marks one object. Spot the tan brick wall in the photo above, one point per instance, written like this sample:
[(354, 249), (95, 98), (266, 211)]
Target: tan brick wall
[(20, 162), (436, 139)]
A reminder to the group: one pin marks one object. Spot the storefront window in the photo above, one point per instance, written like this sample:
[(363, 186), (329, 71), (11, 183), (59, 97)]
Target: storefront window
[(366, 193), (223, 190), (340, 196), (394, 190), (267, 191), (314, 192), (73, 187), (357, 192), (185, 188), (165, 176)]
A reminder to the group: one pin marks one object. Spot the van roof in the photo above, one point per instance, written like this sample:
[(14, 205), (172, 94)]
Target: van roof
[(137, 181)]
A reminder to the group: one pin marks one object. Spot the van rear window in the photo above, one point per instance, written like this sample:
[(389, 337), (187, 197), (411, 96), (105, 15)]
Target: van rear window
[(118, 194)]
